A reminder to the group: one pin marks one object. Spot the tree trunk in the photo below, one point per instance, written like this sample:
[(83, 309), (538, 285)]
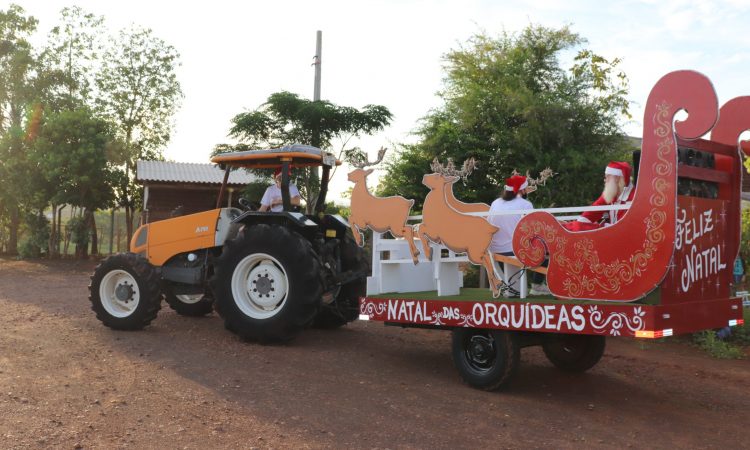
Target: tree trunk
[(52, 234), (82, 251), (59, 230), (94, 234), (111, 230), (129, 221), (15, 221)]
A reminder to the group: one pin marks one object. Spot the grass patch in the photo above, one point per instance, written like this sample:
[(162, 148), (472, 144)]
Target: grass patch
[(715, 347), (741, 335)]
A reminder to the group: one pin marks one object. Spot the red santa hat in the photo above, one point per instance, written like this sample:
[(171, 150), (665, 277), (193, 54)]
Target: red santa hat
[(620, 169), (278, 171), (516, 183)]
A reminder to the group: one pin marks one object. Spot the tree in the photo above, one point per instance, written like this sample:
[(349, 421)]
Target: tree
[(16, 93), (72, 151), (285, 119), (70, 58), (138, 93), (509, 103)]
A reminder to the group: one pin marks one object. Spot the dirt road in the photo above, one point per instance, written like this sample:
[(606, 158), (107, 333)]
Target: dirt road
[(68, 382)]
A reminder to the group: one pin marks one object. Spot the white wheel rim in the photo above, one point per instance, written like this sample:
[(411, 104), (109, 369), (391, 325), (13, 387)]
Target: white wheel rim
[(260, 286), (189, 299), (119, 293)]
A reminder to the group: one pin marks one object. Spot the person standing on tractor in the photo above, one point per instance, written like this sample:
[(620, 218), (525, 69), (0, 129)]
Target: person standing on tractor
[(272, 200), (618, 190)]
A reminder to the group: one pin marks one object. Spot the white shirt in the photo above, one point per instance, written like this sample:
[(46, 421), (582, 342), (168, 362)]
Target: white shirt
[(273, 192), (502, 240)]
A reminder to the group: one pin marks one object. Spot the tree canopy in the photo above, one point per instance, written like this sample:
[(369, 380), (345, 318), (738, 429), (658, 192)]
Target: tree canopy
[(286, 118), (509, 103), (63, 104)]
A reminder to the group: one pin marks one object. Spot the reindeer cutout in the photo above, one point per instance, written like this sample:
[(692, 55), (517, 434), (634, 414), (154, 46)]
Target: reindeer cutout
[(379, 214), (444, 224)]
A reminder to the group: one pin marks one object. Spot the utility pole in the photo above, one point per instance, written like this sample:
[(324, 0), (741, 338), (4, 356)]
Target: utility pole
[(319, 199), (317, 63)]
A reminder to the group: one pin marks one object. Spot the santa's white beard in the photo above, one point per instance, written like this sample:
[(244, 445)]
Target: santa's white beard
[(611, 189)]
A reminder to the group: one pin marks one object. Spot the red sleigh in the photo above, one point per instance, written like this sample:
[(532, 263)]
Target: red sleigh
[(664, 239)]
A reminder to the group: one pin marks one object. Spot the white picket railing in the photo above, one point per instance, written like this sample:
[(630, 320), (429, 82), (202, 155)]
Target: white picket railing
[(397, 272)]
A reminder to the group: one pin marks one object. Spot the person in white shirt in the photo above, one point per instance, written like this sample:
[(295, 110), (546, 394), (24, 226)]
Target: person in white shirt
[(272, 201), (513, 199)]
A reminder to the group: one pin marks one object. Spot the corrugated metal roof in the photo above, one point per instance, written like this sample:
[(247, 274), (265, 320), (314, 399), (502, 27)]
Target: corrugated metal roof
[(189, 173)]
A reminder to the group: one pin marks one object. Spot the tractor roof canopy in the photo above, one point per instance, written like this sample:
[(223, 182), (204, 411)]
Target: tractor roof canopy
[(295, 155)]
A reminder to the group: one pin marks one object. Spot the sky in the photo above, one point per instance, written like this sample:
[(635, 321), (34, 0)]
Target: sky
[(235, 53)]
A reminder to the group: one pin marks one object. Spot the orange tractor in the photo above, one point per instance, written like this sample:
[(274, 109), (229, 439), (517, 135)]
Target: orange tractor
[(269, 275)]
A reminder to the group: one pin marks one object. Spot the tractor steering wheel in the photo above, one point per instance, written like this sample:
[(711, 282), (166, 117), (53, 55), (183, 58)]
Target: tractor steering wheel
[(245, 203)]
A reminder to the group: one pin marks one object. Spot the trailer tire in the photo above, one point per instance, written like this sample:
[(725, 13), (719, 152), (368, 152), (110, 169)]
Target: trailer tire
[(345, 307), (124, 292), (285, 273), (574, 352), (189, 305), (486, 359)]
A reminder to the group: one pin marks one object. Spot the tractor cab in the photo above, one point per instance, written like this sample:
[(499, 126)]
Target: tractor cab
[(284, 158)]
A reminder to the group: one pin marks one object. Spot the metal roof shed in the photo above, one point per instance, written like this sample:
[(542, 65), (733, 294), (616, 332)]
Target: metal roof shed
[(184, 187)]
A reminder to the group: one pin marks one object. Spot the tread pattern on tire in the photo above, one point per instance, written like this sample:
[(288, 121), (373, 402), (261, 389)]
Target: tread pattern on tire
[(204, 306), (592, 353), (147, 277), (303, 270), (345, 307), (500, 375)]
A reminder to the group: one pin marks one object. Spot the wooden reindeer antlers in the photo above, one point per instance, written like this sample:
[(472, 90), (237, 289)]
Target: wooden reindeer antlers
[(449, 169), (534, 183), (359, 160)]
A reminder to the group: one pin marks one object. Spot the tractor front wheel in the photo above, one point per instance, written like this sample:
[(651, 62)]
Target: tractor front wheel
[(124, 292)]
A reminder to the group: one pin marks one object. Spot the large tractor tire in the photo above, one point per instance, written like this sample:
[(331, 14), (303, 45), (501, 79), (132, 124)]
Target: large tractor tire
[(124, 292), (267, 284), (574, 352), (486, 359), (345, 306), (191, 305)]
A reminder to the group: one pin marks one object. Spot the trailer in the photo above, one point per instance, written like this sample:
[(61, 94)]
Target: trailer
[(664, 269)]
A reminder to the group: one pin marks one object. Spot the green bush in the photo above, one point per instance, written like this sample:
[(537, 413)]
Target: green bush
[(79, 230), (471, 275), (717, 348), (741, 335), (36, 230)]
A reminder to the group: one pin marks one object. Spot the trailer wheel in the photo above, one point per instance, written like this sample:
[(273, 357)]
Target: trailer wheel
[(486, 359), (191, 305), (574, 352), (124, 292), (345, 307), (267, 284)]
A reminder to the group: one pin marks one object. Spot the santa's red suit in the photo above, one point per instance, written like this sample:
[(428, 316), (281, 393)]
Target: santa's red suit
[(591, 220)]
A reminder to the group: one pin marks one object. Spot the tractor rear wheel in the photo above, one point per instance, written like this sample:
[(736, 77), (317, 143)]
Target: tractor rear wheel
[(124, 292), (191, 305), (574, 352), (486, 359), (345, 306), (267, 284)]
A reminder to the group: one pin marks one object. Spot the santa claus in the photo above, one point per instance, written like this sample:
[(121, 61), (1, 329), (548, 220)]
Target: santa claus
[(618, 190)]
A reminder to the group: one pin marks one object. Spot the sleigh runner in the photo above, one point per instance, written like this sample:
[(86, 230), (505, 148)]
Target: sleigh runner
[(665, 268)]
